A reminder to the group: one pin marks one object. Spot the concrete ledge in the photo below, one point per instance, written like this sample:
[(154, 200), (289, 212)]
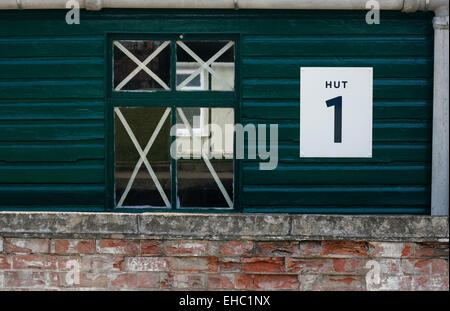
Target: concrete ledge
[(225, 226)]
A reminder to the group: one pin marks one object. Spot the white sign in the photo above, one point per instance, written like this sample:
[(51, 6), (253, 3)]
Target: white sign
[(336, 112)]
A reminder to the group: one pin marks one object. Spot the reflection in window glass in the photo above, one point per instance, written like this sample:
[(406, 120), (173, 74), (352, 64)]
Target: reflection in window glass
[(197, 187), (198, 119), (212, 62), (198, 82), (131, 55), (205, 167), (195, 83), (143, 123)]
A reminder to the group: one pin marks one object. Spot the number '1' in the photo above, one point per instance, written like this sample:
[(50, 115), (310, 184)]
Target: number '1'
[(337, 103)]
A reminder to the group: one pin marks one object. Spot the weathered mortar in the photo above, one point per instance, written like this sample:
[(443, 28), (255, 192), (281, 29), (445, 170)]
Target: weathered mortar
[(222, 251), (224, 226), (142, 264)]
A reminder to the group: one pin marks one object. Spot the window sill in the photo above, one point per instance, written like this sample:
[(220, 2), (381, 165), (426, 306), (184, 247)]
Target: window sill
[(225, 226)]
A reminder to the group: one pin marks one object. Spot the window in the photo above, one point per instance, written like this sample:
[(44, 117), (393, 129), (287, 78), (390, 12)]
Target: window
[(210, 62), (198, 83), (173, 146), (142, 166), (141, 65)]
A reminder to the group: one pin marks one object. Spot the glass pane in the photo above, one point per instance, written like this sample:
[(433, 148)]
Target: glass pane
[(143, 122), (205, 168), (194, 83), (153, 55), (193, 116), (196, 186), (217, 75)]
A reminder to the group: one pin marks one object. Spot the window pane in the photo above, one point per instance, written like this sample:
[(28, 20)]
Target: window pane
[(143, 122), (196, 82), (205, 170), (192, 115), (217, 75), (153, 55), (197, 187)]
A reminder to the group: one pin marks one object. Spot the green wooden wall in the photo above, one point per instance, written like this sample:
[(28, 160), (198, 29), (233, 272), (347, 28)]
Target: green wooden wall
[(53, 129)]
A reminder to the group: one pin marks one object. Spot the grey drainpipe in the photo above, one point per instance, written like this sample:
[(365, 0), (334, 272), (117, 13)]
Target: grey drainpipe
[(440, 147)]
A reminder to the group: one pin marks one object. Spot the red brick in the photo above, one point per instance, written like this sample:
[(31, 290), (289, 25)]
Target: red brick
[(118, 247), (277, 248), (57, 279), (26, 246), (431, 282), (348, 265), (229, 264), (192, 264), (391, 249), (331, 283), (73, 246), (407, 266), (416, 266), (28, 279), (389, 266), (189, 248), (167, 280), (102, 263), (294, 265), (149, 264), (183, 281), (344, 249), (308, 281), (148, 280), (86, 280), (408, 250), (93, 280), (432, 250), (392, 282), (263, 264), (5, 262), (341, 283), (64, 262), (439, 266), (237, 248), (274, 281), (243, 281), (149, 247), (64, 280), (34, 262), (339, 264), (310, 249), (309, 265), (220, 281), (405, 283), (124, 280), (423, 266)]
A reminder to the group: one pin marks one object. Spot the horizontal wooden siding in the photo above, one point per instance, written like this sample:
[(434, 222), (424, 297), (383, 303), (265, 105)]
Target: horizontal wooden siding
[(52, 106)]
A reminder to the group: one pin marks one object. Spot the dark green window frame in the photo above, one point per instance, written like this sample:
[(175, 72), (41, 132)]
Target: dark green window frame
[(168, 98)]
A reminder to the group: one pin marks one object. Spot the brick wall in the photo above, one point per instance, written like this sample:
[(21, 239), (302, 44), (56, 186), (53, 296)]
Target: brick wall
[(36, 263)]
